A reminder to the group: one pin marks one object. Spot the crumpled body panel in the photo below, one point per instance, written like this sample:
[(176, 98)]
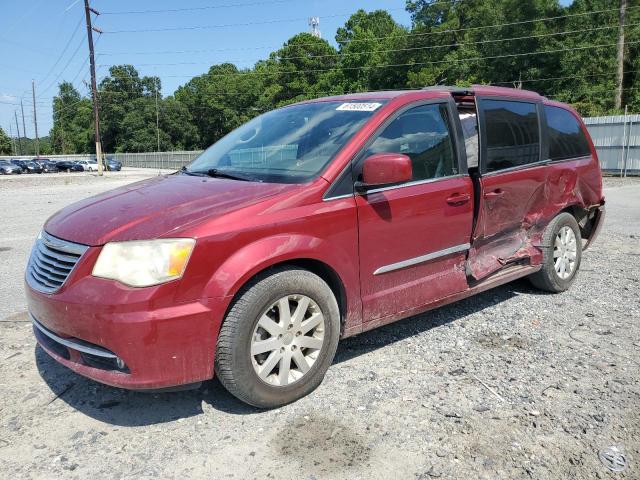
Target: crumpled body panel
[(516, 207)]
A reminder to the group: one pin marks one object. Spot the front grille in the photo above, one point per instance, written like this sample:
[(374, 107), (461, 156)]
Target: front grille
[(52, 260)]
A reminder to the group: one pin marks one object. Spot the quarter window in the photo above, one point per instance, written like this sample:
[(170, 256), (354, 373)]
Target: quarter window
[(423, 134), (566, 138), (512, 134)]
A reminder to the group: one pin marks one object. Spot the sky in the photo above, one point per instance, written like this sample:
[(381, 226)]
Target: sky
[(46, 41)]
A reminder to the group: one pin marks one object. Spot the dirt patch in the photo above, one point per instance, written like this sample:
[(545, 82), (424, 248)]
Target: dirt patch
[(321, 444)]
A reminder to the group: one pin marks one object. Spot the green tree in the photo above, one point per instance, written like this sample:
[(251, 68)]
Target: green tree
[(5, 143), (305, 67), (368, 41), (72, 130), (479, 41), (589, 66), (120, 96), (216, 102)]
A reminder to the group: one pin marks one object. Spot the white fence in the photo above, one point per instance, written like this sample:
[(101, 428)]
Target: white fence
[(155, 160), (617, 140)]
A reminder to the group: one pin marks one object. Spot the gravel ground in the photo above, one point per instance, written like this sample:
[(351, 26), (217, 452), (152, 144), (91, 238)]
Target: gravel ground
[(510, 384)]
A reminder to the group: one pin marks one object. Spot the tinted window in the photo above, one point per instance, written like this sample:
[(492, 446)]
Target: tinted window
[(566, 138), (512, 134), (422, 133)]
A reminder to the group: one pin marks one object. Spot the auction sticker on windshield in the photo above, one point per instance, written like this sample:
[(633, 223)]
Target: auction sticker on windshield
[(359, 107)]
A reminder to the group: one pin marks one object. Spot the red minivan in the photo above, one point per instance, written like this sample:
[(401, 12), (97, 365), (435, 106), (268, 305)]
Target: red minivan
[(311, 223)]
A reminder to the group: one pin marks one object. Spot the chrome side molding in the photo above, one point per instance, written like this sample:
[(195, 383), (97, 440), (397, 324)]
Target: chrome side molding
[(421, 259)]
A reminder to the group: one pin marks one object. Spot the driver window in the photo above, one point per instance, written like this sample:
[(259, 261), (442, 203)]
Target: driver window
[(423, 134)]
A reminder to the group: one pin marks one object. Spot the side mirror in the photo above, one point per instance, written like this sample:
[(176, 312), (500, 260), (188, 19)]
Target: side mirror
[(384, 169)]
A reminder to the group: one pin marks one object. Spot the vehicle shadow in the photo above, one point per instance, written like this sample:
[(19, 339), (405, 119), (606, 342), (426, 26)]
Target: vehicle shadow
[(128, 408)]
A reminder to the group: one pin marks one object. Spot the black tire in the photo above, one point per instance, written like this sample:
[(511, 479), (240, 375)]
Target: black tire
[(547, 278), (233, 362)]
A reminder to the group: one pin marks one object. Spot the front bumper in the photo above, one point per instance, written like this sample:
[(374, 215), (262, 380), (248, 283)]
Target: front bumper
[(122, 337)]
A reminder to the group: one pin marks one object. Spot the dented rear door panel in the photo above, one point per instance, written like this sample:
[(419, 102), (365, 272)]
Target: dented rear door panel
[(509, 204), (516, 205)]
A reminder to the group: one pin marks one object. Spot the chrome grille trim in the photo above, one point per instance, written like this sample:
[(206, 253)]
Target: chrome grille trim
[(52, 261), (74, 343)]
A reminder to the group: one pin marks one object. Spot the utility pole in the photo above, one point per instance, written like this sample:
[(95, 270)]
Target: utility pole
[(35, 118), (157, 114), (24, 128), (620, 72), (13, 140), (18, 129), (94, 89)]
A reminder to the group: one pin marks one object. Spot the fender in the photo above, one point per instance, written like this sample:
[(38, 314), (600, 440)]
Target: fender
[(257, 256)]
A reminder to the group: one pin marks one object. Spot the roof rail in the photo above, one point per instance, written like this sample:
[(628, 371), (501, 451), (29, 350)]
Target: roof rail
[(450, 88)]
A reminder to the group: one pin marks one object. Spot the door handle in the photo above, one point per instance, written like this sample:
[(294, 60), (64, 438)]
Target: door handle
[(458, 199), (496, 193)]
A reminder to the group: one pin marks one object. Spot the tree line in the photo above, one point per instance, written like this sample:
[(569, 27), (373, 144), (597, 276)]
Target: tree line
[(570, 56)]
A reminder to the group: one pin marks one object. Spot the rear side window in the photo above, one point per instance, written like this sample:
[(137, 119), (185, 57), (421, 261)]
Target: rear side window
[(423, 134), (566, 138), (512, 134)]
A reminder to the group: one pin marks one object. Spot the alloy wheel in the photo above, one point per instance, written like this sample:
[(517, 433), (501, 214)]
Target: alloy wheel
[(287, 340), (564, 252)]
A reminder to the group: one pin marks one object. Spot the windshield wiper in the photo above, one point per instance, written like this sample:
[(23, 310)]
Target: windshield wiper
[(214, 172), (194, 174)]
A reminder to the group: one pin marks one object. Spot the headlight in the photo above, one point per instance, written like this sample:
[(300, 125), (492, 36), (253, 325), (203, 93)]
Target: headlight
[(144, 263)]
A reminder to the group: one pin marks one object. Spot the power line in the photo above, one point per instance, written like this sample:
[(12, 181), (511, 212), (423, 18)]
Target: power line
[(394, 50), (71, 58), (194, 9), (149, 95), (567, 77), (64, 50), (481, 27), (406, 35), (226, 25), (412, 64)]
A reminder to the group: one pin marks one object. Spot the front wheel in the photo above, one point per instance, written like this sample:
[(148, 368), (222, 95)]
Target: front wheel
[(278, 339), (562, 252)]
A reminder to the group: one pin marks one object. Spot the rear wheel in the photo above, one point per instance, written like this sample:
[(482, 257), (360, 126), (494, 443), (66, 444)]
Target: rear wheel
[(278, 339), (562, 252)]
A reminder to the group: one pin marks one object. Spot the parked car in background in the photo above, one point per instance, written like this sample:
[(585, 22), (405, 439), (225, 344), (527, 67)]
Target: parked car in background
[(43, 163), (113, 165), (311, 223), (8, 168), (49, 166), (88, 165), (34, 167), (21, 163), (69, 166)]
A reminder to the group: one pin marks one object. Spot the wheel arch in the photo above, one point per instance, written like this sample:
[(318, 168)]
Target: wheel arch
[(323, 270), (585, 216), (337, 267)]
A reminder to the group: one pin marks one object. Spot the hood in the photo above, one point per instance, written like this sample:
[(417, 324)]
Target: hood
[(155, 208)]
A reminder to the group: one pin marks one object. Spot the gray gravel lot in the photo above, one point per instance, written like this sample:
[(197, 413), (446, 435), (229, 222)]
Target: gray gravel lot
[(510, 384)]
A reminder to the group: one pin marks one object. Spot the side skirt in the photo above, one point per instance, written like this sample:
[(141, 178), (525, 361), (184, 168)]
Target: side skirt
[(506, 275)]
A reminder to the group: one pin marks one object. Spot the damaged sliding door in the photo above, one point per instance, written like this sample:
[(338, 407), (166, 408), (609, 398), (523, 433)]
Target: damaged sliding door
[(513, 183)]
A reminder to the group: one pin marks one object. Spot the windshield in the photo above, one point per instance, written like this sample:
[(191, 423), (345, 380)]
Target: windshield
[(290, 145)]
